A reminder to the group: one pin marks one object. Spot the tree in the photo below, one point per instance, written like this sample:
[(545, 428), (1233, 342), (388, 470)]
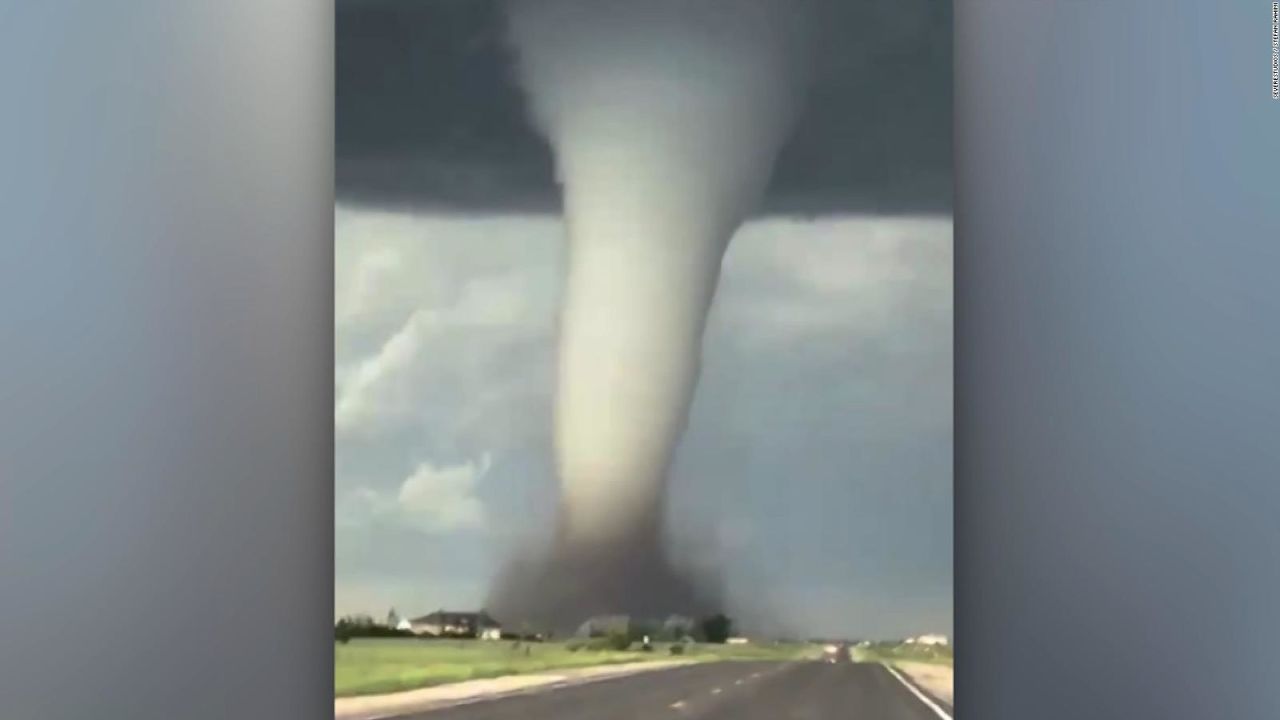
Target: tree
[(676, 628), (360, 626), (637, 631), (618, 640), (342, 631), (717, 628)]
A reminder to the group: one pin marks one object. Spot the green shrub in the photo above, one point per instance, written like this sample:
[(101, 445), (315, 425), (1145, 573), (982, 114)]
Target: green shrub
[(619, 640), (677, 649), (612, 641), (362, 626)]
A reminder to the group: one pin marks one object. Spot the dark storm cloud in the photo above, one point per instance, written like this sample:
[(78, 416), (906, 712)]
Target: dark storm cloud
[(428, 114)]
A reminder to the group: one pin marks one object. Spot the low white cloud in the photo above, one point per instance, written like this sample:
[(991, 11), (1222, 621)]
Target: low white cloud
[(369, 391), (848, 276), (362, 295), (443, 499), (427, 306), (433, 499), (435, 346)]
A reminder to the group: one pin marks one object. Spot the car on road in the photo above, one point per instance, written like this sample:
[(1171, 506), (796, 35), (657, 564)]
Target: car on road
[(836, 653)]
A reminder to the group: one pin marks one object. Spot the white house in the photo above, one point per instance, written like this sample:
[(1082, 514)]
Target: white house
[(930, 639), (443, 623)]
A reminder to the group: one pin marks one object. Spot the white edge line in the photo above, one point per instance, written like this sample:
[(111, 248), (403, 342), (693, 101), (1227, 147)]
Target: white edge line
[(923, 698)]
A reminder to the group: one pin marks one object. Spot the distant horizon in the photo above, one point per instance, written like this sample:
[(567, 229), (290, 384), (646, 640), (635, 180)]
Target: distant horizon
[(381, 619)]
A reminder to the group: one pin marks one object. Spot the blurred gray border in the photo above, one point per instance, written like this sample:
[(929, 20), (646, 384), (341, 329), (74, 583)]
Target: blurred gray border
[(1118, 360), (166, 359), (166, 347)]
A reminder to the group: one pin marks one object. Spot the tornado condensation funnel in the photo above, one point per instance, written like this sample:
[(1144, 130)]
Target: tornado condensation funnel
[(645, 251), (664, 117)]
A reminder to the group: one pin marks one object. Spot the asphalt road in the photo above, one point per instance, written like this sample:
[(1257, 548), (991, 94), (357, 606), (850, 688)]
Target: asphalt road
[(715, 691)]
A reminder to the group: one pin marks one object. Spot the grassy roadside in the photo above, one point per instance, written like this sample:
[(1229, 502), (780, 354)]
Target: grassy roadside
[(755, 651), (893, 653), (931, 668), (368, 666)]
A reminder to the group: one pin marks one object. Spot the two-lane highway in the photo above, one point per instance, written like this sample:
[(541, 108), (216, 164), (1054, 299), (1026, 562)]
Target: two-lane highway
[(715, 691)]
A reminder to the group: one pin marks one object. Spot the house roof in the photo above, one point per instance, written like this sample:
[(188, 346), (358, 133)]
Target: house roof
[(447, 617)]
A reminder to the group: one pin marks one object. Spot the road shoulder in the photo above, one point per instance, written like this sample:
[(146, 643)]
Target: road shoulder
[(369, 707), (934, 680)]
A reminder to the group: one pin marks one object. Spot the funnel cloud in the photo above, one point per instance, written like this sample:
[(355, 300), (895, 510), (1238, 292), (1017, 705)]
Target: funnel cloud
[(665, 119)]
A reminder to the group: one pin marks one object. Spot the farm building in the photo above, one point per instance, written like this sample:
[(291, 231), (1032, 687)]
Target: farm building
[(933, 639), (445, 623)]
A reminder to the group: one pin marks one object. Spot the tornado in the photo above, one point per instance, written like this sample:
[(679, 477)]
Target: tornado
[(664, 118)]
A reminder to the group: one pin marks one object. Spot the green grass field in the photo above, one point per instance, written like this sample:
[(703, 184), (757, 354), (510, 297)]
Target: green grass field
[(893, 652), (367, 666)]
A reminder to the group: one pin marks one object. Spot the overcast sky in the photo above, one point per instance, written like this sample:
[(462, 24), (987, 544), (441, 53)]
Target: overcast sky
[(428, 114), (817, 465)]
